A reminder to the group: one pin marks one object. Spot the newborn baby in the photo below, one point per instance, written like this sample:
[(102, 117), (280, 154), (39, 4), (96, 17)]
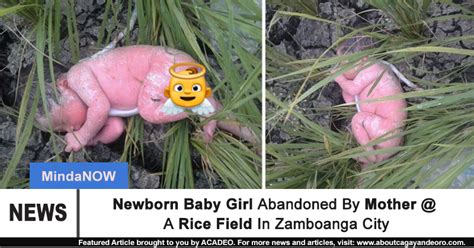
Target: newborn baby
[(97, 92), (373, 120)]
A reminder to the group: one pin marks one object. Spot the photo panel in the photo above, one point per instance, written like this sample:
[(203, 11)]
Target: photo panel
[(369, 94), (170, 87)]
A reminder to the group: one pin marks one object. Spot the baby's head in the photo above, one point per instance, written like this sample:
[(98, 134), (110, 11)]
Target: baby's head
[(355, 44)]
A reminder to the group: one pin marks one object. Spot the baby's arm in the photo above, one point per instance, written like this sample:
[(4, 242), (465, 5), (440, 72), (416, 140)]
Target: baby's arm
[(349, 87), (363, 79)]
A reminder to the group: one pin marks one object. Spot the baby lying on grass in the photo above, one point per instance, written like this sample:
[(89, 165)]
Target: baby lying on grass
[(97, 92), (375, 119)]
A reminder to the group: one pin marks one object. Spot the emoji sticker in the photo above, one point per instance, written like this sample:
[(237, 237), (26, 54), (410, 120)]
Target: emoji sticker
[(187, 90)]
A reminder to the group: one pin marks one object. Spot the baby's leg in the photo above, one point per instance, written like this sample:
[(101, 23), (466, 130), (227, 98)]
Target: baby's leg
[(362, 136), (393, 142), (82, 80), (367, 127), (111, 131)]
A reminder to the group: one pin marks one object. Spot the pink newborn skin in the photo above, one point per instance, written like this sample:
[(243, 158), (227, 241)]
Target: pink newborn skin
[(62, 118), (378, 118), (123, 78)]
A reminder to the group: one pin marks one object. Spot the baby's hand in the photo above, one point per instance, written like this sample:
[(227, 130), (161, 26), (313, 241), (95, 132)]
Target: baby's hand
[(74, 142), (209, 130)]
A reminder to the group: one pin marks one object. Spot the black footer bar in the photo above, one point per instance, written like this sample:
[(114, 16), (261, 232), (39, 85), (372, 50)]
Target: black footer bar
[(248, 242)]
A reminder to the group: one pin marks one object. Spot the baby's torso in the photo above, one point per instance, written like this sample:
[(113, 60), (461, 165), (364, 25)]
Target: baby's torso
[(120, 73), (132, 77)]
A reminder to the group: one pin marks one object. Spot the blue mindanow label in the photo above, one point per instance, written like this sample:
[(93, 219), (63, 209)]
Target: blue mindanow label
[(79, 175)]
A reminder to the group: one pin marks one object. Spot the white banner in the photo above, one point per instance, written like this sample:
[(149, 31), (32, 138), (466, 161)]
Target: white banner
[(276, 213)]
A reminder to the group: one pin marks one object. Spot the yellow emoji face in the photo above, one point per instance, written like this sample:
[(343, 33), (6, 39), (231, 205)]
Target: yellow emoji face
[(187, 88)]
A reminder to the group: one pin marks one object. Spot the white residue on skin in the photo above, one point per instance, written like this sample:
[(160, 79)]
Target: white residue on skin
[(65, 99), (88, 88), (154, 79), (375, 123)]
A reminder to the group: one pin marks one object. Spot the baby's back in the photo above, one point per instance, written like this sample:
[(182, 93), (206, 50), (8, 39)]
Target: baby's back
[(120, 73)]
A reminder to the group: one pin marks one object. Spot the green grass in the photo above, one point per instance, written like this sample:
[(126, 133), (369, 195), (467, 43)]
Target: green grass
[(439, 129), (408, 15), (227, 32)]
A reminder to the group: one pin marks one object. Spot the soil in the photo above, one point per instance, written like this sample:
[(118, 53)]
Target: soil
[(302, 38), (15, 63)]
